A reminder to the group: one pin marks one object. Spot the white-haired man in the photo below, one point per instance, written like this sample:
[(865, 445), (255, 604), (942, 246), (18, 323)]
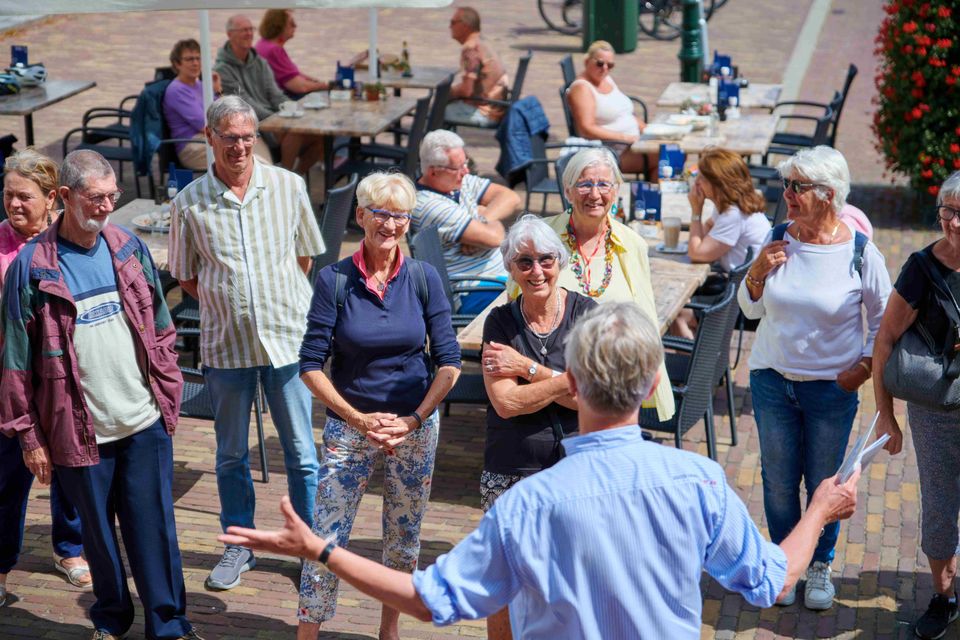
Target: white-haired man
[(467, 210), (608, 543)]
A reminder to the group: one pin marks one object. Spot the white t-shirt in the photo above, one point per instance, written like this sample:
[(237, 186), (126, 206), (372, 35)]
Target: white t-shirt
[(810, 308), (739, 231)]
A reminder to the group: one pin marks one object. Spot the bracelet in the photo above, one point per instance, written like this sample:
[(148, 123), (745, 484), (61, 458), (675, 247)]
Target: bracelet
[(866, 368), (416, 416), (327, 550), (696, 218), (753, 281)]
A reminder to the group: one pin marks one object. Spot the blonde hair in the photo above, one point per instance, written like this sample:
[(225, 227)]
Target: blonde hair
[(597, 45), (34, 166), (387, 190)]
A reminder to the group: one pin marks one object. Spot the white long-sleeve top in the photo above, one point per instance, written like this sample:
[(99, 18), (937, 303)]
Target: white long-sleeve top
[(810, 309)]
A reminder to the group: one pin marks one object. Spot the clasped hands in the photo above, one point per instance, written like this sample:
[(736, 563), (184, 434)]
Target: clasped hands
[(384, 430)]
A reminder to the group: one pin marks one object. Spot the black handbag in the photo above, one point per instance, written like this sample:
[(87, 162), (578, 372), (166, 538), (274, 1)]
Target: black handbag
[(919, 370)]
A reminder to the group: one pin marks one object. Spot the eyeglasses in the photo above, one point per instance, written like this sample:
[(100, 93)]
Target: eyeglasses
[(100, 199), (587, 186), (946, 213), (798, 187), (525, 263), (453, 22), (382, 216), (463, 167), (190, 59), (603, 63), (243, 29), (232, 141)]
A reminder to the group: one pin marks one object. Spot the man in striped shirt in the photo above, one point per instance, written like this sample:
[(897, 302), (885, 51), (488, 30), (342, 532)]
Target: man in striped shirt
[(241, 238), (467, 210)]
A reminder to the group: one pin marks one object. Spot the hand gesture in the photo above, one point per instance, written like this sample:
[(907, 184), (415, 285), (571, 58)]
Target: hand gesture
[(38, 462), (696, 198), (771, 256), (837, 501), (503, 361), (392, 432), (293, 540), (366, 422), (887, 423)]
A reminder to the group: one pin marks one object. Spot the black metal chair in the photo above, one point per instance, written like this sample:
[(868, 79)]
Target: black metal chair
[(333, 223), (767, 176), (363, 158), (512, 96), (435, 118), (693, 376), (568, 70), (559, 166), (800, 140)]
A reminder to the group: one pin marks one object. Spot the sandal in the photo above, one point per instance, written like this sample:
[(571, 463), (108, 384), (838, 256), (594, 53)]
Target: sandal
[(74, 574)]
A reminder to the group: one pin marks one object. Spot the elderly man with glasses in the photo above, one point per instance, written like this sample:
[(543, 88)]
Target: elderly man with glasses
[(241, 238), (467, 210), (91, 388)]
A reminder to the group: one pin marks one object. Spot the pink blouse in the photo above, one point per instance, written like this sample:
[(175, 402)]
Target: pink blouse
[(276, 56), (10, 244)]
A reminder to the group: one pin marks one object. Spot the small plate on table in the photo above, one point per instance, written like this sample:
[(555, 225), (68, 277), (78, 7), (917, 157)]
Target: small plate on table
[(663, 131), (296, 114), (145, 223), (680, 248)]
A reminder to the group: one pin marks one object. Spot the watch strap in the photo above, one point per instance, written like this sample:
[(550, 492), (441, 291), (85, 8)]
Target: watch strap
[(327, 550)]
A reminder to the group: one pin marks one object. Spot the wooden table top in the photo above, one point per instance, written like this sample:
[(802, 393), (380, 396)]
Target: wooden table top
[(750, 134), (674, 280), (32, 99), (422, 78), (158, 243), (354, 118), (754, 96)]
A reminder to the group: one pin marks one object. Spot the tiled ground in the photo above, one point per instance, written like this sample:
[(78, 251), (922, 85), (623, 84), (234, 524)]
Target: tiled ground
[(883, 579)]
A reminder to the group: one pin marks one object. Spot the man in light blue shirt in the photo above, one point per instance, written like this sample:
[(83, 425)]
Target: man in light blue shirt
[(608, 543)]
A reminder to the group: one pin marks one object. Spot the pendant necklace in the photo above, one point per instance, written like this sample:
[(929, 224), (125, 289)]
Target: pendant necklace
[(543, 337), (833, 234)]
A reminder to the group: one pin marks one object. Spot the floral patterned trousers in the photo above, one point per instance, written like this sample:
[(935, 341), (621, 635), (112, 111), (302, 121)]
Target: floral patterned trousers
[(345, 469)]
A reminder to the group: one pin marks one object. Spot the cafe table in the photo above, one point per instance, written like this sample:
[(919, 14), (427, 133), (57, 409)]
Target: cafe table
[(422, 78), (754, 96), (750, 134), (157, 242), (32, 99), (352, 118)]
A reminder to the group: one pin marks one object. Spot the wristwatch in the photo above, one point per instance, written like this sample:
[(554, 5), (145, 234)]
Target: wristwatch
[(327, 550), (532, 371)]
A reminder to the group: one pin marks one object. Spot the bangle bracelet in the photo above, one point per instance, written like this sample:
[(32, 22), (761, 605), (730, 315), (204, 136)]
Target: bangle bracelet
[(754, 281), (866, 368), (327, 550), (416, 416)]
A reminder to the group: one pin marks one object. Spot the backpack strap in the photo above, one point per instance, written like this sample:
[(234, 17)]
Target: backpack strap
[(419, 282), (859, 243), (779, 231), (340, 271)]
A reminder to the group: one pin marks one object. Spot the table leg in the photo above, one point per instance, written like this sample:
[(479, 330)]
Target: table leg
[(28, 127)]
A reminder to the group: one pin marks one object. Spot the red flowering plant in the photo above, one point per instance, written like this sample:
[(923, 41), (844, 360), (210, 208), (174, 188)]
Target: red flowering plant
[(917, 122)]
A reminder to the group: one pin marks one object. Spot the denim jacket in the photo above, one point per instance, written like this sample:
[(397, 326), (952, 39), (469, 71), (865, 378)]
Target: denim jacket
[(41, 398)]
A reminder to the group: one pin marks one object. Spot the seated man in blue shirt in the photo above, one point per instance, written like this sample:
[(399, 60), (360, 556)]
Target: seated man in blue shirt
[(608, 543), (468, 212)]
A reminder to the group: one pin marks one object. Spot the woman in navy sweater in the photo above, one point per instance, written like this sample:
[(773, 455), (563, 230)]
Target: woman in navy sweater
[(373, 313)]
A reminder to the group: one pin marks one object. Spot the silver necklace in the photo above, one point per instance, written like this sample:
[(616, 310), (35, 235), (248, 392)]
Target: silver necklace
[(543, 337)]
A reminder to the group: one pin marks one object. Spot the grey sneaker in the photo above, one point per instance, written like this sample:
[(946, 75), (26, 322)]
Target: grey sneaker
[(788, 599), (100, 634), (226, 575), (818, 592), (191, 635)]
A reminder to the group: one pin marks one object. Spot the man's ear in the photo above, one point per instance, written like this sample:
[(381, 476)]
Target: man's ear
[(571, 385), (653, 387)]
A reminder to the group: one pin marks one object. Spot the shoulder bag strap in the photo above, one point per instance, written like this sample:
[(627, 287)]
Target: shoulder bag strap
[(950, 307)]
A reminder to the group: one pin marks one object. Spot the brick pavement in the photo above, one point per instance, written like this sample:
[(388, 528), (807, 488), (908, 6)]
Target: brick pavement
[(883, 580)]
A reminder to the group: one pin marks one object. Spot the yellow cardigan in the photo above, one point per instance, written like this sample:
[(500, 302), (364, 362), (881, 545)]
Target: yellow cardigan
[(631, 254)]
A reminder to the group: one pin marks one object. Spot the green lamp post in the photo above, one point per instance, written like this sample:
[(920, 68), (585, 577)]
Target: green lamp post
[(691, 45)]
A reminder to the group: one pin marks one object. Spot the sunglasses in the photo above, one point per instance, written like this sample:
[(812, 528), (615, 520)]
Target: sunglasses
[(525, 263), (603, 63), (382, 216), (798, 187), (946, 213)]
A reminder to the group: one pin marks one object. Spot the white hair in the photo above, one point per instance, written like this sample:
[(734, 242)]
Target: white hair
[(227, 107), (535, 234), (387, 189), (613, 354), (950, 190), (824, 166), (436, 146), (589, 158)]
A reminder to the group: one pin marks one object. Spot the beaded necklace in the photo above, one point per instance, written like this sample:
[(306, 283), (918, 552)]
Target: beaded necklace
[(581, 266)]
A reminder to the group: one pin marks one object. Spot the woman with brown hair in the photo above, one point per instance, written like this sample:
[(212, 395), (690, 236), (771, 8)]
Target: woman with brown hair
[(276, 28)]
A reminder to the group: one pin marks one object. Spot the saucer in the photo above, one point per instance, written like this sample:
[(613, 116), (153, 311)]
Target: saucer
[(680, 248), (296, 114)]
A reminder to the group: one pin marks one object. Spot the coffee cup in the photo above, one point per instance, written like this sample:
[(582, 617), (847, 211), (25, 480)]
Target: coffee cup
[(671, 232), (288, 107)]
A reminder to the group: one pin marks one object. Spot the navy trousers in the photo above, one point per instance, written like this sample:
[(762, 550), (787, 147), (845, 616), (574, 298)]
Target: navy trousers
[(15, 482), (132, 484)]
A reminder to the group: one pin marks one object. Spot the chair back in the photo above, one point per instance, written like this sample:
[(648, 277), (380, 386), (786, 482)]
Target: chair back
[(780, 213), (568, 71), (521, 75), (537, 170), (426, 246), (163, 73), (417, 130), (734, 278), (333, 222), (559, 167), (568, 115), (440, 96)]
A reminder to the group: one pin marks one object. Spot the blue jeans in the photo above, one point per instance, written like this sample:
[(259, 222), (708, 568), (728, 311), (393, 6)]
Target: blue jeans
[(804, 428), (232, 394), (15, 482), (133, 485)]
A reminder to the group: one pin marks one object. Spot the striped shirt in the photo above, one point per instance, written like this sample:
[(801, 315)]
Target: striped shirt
[(451, 214), (254, 297)]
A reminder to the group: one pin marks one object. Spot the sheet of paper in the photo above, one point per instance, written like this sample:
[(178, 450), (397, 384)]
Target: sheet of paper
[(861, 453)]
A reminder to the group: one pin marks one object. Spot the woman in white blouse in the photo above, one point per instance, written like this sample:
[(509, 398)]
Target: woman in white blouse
[(811, 353)]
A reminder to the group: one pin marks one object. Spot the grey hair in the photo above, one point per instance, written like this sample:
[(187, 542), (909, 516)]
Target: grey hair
[(232, 21), (613, 354), (83, 165), (227, 107), (825, 166), (537, 235), (589, 158), (435, 147), (950, 188)]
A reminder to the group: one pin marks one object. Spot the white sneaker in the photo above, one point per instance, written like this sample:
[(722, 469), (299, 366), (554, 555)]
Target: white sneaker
[(818, 592), (788, 599)]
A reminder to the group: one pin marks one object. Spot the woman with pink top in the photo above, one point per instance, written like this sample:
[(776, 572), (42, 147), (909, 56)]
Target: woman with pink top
[(29, 197), (276, 27)]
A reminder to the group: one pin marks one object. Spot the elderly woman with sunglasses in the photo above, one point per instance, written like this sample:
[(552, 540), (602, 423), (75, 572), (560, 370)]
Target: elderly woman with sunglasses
[(530, 408), (811, 353), (372, 315), (602, 112), (608, 260), (936, 438)]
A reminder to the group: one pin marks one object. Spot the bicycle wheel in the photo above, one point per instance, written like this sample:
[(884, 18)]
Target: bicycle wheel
[(661, 19), (565, 16)]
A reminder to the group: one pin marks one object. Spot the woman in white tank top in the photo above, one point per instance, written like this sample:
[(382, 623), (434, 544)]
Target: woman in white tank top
[(602, 112)]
